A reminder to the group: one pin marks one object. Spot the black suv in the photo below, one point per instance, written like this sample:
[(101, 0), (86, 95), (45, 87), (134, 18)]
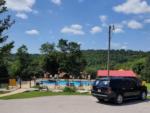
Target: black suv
[(118, 89)]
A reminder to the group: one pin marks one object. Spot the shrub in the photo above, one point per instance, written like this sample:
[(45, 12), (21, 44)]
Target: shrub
[(69, 89)]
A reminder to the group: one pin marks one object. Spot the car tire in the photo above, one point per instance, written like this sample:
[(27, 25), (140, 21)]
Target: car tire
[(143, 95), (119, 99)]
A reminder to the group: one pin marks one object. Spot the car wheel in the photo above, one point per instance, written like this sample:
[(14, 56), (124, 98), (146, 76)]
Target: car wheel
[(143, 95), (119, 99)]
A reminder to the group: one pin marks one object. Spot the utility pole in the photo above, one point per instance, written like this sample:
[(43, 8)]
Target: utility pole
[(111, 28)]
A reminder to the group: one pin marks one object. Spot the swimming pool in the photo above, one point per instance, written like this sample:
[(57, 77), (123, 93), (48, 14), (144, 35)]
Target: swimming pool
[(75, 83)]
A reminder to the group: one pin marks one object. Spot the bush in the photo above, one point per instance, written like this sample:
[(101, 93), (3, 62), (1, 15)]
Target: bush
[(69, 89)]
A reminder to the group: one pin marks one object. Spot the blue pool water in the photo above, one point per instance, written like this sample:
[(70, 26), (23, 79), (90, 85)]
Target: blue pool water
[(67, 83)]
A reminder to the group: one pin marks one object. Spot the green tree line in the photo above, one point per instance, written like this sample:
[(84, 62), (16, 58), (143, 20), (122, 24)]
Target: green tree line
[(61, 57)]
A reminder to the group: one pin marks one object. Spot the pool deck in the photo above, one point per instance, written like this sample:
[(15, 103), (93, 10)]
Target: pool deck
[(13, 92)]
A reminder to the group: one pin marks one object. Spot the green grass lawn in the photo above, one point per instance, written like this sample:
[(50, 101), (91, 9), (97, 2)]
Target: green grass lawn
[(39, 94), (148, 86), (34, 94)]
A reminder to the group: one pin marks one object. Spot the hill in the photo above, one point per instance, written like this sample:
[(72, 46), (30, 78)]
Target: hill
[(119, 59)]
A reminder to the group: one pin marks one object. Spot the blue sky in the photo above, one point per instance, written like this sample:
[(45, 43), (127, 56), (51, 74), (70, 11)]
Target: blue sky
[(83, 21)]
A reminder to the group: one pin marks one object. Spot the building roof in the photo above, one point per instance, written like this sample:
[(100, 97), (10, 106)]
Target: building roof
[(116, 73)]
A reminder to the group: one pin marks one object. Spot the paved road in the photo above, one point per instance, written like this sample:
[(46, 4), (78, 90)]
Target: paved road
[(70, 104)]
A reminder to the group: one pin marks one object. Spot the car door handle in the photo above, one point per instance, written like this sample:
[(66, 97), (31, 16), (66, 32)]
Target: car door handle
[(123, 88), (131, 88)]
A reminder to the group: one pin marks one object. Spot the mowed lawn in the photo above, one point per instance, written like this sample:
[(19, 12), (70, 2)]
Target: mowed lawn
[(40, 94), (148, 86)]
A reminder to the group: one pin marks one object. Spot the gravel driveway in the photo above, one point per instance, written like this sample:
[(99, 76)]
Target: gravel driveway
[(70, 104)]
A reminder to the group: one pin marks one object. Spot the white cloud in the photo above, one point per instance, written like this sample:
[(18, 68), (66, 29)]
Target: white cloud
[(133, 7), (147, 21), (75, 29), (56, 2), (96, 29), (32, 32), (76, 26), (118, 28), (103, 19), (21, 15), (133, 24), (20, 5)]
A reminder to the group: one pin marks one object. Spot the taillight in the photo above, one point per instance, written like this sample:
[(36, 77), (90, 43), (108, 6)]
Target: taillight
[(94, 88), (109, 90)]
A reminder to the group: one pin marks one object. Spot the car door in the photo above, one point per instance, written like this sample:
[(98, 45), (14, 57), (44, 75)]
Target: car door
[(127, 88), (132, 88), (135, 88)]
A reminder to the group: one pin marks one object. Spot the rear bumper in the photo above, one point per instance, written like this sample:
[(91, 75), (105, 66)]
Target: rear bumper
[(103, 96), (100, 95)]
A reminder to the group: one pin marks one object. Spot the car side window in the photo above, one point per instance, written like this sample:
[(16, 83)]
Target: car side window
[(129, 83), (133, 83), (126, 84)]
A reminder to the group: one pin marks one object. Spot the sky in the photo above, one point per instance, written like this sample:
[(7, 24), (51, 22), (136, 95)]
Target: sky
[(83, 21)]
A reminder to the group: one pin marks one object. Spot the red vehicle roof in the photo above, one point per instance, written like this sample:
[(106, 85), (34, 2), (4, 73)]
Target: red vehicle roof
[(116, 73)]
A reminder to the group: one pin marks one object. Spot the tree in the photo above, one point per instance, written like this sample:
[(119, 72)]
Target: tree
[(91, 71), (35, 69), (5, 48), (74, 58), (49, 62), (47, 48), (23, 60), (14, 68), (70, 59), (63, 45), (62, 57), (74, 48), (138, 67), (146, 71)]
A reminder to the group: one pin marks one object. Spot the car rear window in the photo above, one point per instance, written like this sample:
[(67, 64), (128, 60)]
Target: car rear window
[(101, 83)]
